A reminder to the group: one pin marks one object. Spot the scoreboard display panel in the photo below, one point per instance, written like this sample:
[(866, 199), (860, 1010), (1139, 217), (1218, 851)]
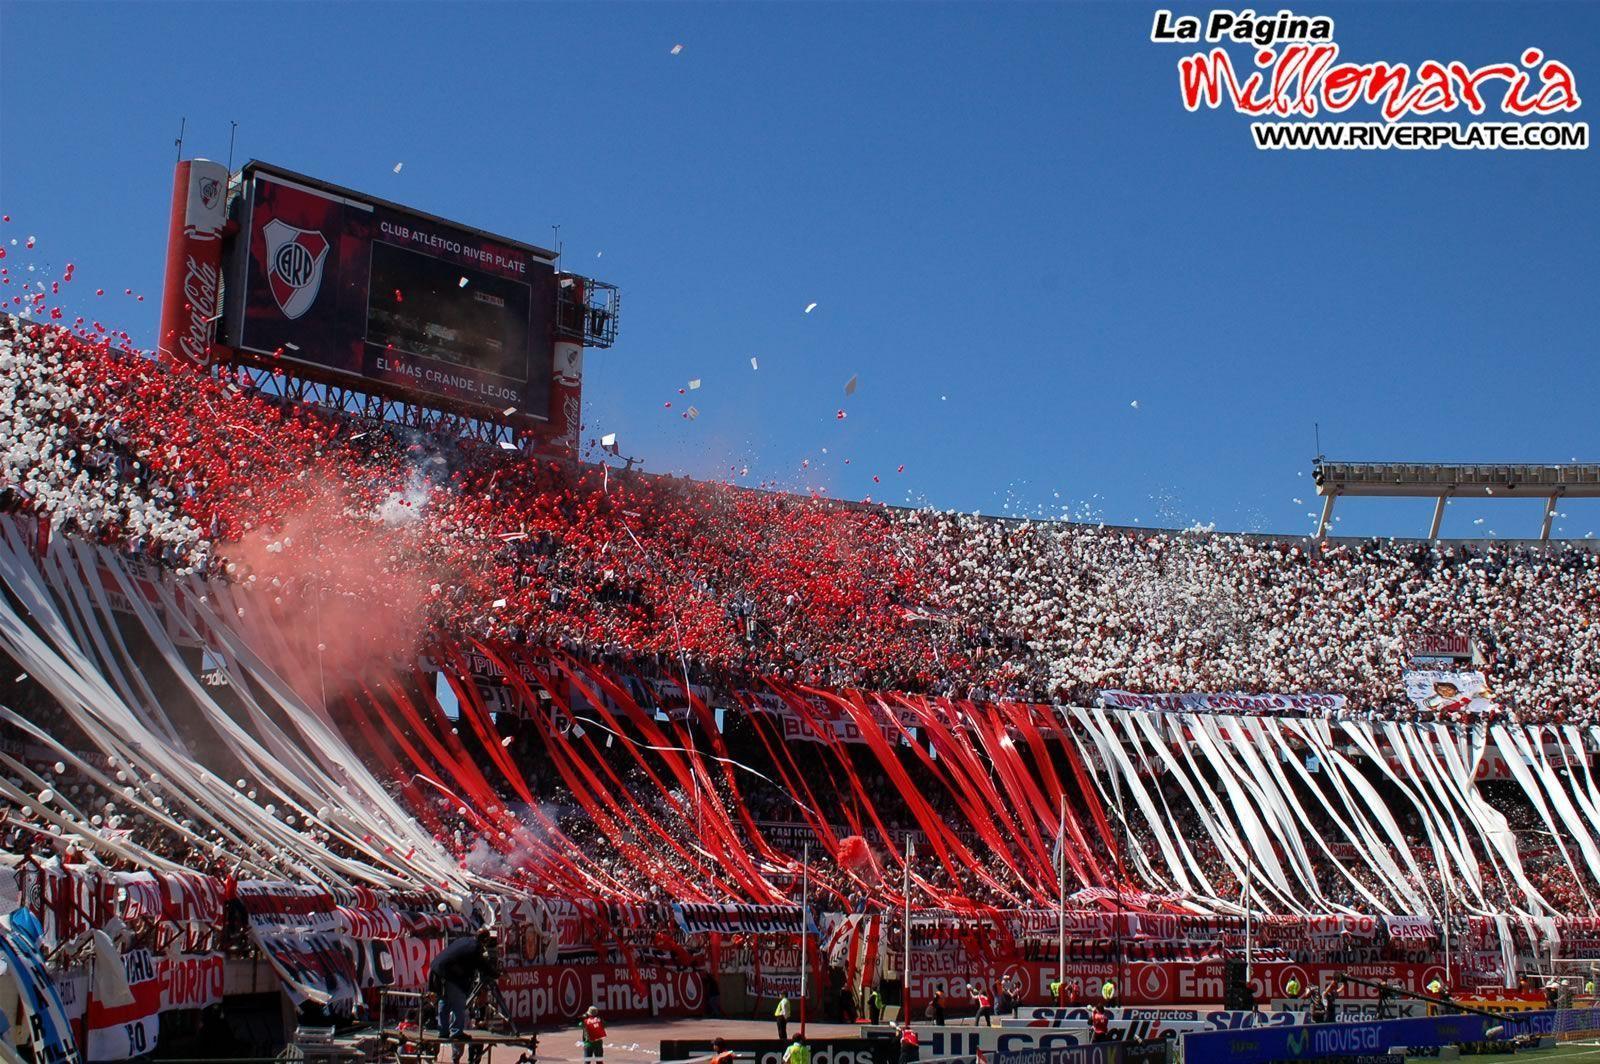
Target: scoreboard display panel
[(425, 307), (373, 295)]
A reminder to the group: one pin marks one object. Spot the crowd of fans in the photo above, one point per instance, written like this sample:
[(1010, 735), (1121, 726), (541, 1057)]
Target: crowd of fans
[(209, 476), (206, 475), (65, 455), (1093, 609)]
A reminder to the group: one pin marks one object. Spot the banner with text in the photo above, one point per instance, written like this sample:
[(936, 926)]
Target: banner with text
[(1236, 704)]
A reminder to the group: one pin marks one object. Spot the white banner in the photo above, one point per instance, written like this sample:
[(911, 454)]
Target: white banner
[(297, 928), (1450, 691), (128, 1031), (190, 981), (1175, 702)]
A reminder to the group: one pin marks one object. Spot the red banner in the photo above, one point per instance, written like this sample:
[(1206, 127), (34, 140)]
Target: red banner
[(551, 992), (1145, 982)]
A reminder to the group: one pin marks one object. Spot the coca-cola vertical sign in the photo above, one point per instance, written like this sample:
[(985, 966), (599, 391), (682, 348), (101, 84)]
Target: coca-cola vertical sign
[(193, 285), (566, 379)]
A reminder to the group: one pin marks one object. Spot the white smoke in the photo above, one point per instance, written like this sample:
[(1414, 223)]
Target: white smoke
[(405, 507)]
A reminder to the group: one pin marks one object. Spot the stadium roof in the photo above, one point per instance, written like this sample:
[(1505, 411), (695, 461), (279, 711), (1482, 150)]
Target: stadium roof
[(1443, 480)]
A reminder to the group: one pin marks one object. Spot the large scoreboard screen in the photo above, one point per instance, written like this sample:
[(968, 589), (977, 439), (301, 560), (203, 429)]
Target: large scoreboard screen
[(387, 299)]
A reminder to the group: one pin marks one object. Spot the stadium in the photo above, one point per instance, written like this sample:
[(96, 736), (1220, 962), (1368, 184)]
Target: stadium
[(360, 703)]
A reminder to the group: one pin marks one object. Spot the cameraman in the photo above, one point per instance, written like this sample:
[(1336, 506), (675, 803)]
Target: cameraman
[(454, 976)]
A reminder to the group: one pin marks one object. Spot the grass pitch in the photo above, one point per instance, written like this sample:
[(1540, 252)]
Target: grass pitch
[(1567, 1053)]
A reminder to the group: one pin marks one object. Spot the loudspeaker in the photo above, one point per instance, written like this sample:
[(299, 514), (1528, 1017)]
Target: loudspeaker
[(1236, 993)]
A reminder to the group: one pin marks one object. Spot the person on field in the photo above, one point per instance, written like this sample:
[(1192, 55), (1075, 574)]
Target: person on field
[(985, 1012), (594, 1035), (909, 1047), (797, 1053), (1100, 1023), (780, 1016), (1316, 1006)]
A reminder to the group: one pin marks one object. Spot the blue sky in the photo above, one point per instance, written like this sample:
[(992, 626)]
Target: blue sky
[(1011, 228)]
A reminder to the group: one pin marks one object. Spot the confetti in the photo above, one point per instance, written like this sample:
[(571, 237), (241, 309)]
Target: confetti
[(753, 363), (397, 167), (694, 385), (850, 385), (508, 411), (839, 416), (498, 604), (810, 307), (608, 440), (459, 284), (677, 49), (1134, 404), (692, 413), (507, 445)]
